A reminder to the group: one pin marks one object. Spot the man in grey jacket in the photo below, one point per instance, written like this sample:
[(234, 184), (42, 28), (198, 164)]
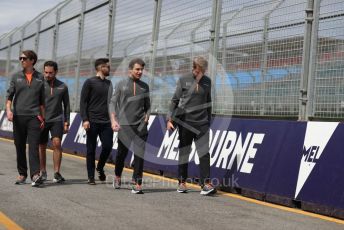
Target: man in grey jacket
[(130, 110), (57, 119), (190, 109), (26, 91)]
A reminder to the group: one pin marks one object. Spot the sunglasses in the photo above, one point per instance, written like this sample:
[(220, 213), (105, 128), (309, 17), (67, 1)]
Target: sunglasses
[(23, 58)]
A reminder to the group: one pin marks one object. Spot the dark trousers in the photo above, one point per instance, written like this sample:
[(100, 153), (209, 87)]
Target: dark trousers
[(105, 133), (27, 128), (127, 135), (202, 146)]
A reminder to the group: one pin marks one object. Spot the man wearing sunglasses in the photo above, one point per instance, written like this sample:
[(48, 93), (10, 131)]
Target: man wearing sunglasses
[(26, 93)]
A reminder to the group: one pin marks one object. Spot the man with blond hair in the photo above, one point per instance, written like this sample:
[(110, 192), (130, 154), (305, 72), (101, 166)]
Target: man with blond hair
[(190, 110)]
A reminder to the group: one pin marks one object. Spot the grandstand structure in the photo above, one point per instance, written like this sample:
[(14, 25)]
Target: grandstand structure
[(268, 58)]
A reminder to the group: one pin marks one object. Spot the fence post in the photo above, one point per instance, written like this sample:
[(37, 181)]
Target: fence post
[(165, 62), (264, 62), (214, 44), (56, 34), (8, 62), (21, 44), (112, 16), (306, 61), (154, 41), (80, 39), (192, 39), (56, 30), (37, 35), (310, 109), (224, 38)]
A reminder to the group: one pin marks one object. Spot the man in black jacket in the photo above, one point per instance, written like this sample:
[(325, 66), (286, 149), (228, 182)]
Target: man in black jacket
[(56, 119), (96, 120), (26, 91), (190, 109), (130, 110)]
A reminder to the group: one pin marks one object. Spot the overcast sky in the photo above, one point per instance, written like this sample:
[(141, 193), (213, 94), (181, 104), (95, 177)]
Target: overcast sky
[(14, 13)]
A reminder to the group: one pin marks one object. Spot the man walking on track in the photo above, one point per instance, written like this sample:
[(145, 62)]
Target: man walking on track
[(190, 109), (96, 120), (26, 93), (56, 119), (130, 110)]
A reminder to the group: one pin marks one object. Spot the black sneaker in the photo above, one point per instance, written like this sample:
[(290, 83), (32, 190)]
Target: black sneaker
[(208, 189), (36, 180), (44, 175), (91, 181), (101, 175), (21, 179), (58, 178), (182, 188)]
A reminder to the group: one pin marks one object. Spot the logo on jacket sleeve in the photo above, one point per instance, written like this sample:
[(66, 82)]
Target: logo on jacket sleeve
[(316, 138)]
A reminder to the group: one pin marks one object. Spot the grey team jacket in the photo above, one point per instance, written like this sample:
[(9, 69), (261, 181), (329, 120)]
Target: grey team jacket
[(27, 98), (130, 101), (194, 99), (56, 93)]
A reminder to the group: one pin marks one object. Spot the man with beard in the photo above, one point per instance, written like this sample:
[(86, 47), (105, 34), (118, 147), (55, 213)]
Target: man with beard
[(96, 119), (56, 119)]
